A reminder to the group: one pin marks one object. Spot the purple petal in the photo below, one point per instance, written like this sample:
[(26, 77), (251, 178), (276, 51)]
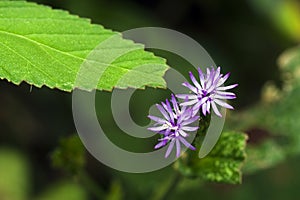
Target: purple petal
[(185, 143), (175, 104), (189, 128), (211, 88), (216, 110), (189, 103), (170, 111), (225, 93), (168, 105), (217, 74), (208, 106), (201, 76), (177, 148), (166, 132), (183, 109), (193, 79), (204, 109), (222, 103), (184, 116), (203, 100), (185, 112), (161, 144), (223, 79), (210, 78), (196, 107), (157, 129), (227, 87), (157, 119), (224, 96), (189, 121), (183, 134), (188, 96), (208, 72), (170, 147), (163, 111), (192, 88)]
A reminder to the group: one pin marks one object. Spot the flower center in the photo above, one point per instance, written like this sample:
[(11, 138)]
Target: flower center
[(172, 127), (204, 93)]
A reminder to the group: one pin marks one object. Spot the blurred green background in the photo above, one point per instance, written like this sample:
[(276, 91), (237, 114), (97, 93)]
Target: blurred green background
[(244, 37)]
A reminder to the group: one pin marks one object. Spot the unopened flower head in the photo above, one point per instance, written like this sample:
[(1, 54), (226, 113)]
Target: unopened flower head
[(174, 125), (208, 92)]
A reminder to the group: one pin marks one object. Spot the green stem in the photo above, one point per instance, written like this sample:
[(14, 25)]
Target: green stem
[(91, 185), (166, 188), (203, 126)]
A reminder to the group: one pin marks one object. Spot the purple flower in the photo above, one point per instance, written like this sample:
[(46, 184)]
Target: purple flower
[(174, 126), (208, 92)]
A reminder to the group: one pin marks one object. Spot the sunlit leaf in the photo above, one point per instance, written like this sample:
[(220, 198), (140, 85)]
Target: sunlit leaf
[(42, 46), (222, 164)]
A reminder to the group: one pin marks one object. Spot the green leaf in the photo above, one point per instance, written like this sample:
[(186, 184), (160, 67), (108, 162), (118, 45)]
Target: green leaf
[(277, 115), (222, 164), (69, 155), (42, 46)]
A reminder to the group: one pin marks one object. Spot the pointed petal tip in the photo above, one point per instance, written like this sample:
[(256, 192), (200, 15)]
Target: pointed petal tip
[(228, 74), (219, 115), (192, 148), (234, 85)]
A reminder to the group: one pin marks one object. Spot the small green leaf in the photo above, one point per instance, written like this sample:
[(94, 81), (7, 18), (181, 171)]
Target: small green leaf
[(69, 155), (42, 46), (222, 164)]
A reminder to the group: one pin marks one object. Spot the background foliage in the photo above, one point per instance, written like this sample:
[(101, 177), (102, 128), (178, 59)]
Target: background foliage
[(255, 40)]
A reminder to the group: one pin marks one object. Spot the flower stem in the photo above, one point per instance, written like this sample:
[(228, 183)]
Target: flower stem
[(167, 187), (203, 126)]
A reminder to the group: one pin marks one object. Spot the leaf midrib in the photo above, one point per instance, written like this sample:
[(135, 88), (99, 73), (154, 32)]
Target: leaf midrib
[(74, 56)]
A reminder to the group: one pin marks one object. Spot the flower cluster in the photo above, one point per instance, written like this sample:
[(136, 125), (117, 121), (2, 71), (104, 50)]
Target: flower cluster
[(205, 94), (175, 125), (208, 92)]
